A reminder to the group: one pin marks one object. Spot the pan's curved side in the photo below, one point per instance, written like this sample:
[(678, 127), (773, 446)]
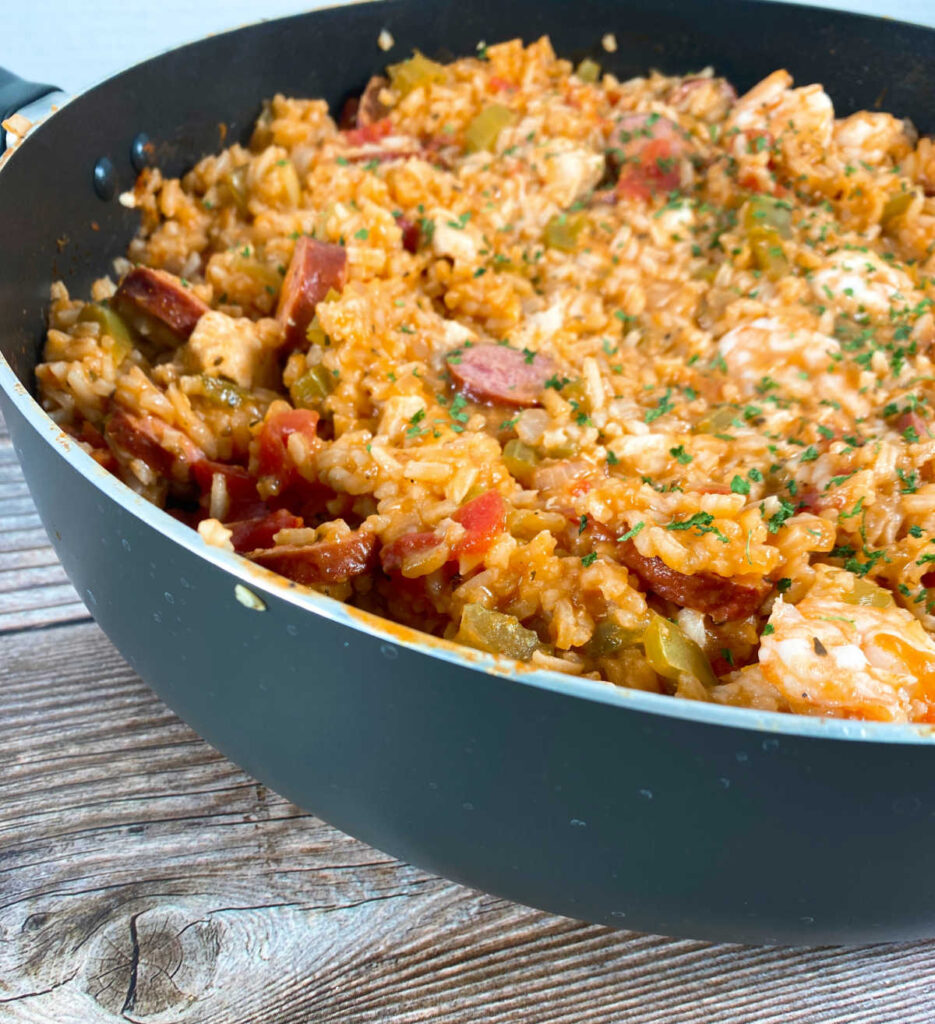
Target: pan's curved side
[(574, 806)]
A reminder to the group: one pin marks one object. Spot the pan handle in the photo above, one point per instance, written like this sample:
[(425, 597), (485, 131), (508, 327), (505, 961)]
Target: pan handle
[(16, 93)]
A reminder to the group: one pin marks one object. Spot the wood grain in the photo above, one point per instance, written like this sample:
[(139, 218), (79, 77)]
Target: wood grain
[(145, 878), (34, 590)]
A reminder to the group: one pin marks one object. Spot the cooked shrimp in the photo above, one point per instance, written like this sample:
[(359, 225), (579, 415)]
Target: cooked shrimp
[(872, 137), (860, 283), (833, 654), (769, 346)]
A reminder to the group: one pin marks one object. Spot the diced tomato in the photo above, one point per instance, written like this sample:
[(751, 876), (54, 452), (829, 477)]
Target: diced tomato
[(258, 532), (372, 132), (393, 555), (654, 169), (497, 84), (273, 454), (483, 519)]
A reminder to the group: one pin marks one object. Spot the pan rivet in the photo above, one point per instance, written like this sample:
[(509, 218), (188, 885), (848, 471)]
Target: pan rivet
[(140, 149), (248, 599), (105, 179)]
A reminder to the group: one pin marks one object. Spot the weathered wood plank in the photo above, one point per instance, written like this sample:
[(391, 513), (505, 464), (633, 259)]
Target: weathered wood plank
[(145, 878), (34, 590)]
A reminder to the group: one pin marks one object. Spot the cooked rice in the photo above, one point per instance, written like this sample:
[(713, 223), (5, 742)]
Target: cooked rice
[(730, 467)]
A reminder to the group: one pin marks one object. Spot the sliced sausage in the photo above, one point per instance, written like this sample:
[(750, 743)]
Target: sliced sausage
[(347, 119), (648, 149), (500, 375), (315, 268), (412, 234), (162, 447), (393, 555), (258, 531), (329, 561), (370, 108), (158, 305), (723, 599), (402, 149)]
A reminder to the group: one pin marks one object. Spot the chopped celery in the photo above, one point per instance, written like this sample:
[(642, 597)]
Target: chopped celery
[(575, 392), (562, 231), (222, 392), (111, 324), (671, 653), (482, 132), (718, 421), (496, 633), (588, 70), (768, 254), (767, 212), (315, 333), (520, 460), (895, 207), (312, 388), (232, 188), (609, 638), (412, 73)]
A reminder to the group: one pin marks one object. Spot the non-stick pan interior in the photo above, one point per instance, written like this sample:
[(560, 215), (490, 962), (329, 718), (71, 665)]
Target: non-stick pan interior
[(193, 100)]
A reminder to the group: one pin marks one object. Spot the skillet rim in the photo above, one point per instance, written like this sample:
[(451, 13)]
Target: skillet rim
[(271, 585)]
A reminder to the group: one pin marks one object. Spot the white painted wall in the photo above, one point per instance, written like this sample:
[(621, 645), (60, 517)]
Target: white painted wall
[(74, 43)]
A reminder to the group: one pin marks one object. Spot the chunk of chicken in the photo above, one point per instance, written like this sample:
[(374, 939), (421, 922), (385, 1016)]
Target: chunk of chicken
[(236, 348)]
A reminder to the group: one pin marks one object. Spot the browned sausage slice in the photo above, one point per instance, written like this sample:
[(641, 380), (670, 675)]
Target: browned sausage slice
[(412, 234), (723, 599), (155, 298), (329, 561), (370, 108), (162, 447), (499, 374), (315, 268)]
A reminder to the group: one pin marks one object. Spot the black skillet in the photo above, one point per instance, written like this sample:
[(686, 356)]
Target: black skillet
[(633, 809)]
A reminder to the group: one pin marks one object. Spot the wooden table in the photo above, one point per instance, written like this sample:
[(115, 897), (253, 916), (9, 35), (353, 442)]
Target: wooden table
[(143, 877)]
